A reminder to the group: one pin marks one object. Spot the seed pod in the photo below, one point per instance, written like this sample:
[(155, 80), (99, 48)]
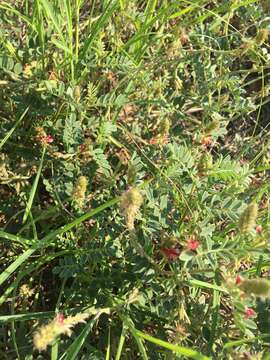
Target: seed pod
[(131, 174), (214, 125), (248, 218), (205, 164), (80, 190), (77, 93), (258, 287), (130, 203), (164, 127)]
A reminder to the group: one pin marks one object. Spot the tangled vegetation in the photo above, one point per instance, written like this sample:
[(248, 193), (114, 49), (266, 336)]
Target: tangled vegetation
[(134, 179)]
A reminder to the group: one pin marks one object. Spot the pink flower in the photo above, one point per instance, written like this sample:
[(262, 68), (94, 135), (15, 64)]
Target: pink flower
[(192, 243), (249, 313), (258, 229), (49, 139), (171, 253), (238, 280), (60, 318)]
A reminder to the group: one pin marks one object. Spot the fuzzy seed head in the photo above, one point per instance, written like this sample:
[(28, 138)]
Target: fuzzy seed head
[(80, 190), (130, 203), (257, 287), (248, 218), (47, 334)]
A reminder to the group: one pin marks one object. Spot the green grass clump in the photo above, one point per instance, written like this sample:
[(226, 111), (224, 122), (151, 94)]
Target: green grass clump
[(132, 136)]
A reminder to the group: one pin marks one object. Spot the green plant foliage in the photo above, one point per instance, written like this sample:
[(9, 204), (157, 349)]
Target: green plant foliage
[(134, 179)]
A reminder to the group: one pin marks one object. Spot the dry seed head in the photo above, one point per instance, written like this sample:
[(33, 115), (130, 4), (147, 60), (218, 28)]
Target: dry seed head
[(248, 218), (80, 190), (257, 287), (130, 203), (25, 291), (76, 319)]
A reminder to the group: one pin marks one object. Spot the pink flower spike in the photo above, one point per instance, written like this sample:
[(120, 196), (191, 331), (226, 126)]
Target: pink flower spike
[(258, 229), (171, 254), (238, 280), (192, 243), (49, 139), (249, 313), (60, 318)]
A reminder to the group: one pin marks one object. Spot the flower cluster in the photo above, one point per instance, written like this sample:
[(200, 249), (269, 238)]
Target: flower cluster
[(248, 218), (80, 191), (42, 137), (131, 201)]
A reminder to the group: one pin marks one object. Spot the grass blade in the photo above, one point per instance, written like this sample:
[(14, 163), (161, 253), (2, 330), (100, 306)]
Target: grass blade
[(101, 22), (203, 284), (108, 352), (193, 354), (121, 343), (51, 16), (47, 239), (4, 140), (26, 317), (128, 323), (73, 350), (8, 7), (14, 266), (34, 188)]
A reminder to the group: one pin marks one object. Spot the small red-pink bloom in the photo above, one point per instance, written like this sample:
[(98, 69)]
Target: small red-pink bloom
[(259, 229), (49, 139), (192, 244), (249, 313), (60, 318), (171, 253), (238, 280)]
